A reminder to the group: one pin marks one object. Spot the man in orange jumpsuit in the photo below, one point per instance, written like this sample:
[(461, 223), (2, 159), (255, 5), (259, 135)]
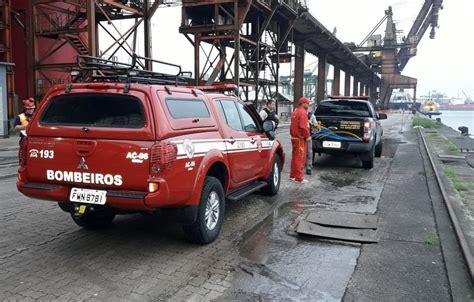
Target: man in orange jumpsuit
[(300, 132)]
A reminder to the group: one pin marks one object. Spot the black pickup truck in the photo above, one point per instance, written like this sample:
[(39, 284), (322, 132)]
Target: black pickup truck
[(349, 126)]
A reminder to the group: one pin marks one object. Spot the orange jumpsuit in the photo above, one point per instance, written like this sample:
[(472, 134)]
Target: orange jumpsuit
[(299, 131)]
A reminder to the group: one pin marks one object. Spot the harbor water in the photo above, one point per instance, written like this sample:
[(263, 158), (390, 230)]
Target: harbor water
[(455, 119)]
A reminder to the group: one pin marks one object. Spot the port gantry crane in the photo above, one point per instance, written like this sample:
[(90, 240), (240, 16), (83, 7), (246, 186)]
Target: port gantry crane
[(390, 56)]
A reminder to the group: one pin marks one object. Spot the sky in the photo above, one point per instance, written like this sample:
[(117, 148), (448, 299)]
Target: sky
[(444, 64)]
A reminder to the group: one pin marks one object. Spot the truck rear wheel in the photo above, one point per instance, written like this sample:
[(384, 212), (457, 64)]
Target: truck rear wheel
[(94, 221), (273, 182), (210, 214), (379, 149), (368, 159)]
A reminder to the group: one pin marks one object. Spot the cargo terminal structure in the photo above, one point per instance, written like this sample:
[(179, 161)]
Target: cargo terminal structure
[(243, 42)]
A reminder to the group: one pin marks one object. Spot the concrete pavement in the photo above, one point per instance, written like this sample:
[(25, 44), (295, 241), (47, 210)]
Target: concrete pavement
[(45, 256)]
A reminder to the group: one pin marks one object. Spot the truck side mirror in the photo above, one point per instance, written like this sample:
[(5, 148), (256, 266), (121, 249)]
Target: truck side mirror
[(269, 128), (382, 116)]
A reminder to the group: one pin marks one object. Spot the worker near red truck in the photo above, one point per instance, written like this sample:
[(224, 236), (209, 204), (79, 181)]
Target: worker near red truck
[(300, 132), (24, 118), (268, 113)]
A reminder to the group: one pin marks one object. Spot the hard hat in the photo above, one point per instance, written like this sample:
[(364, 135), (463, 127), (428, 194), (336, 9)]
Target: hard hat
[(303, 100), (29, 103)]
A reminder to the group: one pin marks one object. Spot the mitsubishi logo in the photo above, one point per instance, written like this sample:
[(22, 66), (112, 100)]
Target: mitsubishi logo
[(82, 164)]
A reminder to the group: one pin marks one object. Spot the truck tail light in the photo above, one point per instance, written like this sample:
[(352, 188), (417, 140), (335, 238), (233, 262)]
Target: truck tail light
[(22, 152), (368, 127), (153, 187), (163, 155)]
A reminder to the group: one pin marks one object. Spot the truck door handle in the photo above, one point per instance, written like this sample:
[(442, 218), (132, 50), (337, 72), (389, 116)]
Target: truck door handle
[(252, 140), (332, 128), (231, 140)]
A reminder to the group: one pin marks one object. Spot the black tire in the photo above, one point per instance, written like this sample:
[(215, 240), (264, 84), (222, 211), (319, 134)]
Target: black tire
[(379, 149), (199, 231), (368, 159), (94, 221), (273, 182)]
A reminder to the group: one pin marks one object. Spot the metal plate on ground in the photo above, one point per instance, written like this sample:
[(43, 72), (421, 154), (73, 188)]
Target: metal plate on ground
[(343, 219), (449, 156), (354, 235)]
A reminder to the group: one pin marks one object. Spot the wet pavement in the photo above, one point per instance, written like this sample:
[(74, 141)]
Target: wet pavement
[(279, 264), (259, 256)]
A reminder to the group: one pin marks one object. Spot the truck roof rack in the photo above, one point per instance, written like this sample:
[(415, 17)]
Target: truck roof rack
[(95, 69), (222, 88)]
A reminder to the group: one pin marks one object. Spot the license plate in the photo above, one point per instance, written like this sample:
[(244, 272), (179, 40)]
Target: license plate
[(88, 196), (336, 145)]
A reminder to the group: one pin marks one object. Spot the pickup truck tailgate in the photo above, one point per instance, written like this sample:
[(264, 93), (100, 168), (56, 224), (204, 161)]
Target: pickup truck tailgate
[(345, 128), (92, 140), (89, 163)]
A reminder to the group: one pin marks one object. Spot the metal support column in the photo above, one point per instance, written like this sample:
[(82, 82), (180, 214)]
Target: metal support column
[(236, 44), (414, 97), (321, 78), (197, 65), (299, 71), (372, 94), (147, 34), (347, 84), (92, 28), (336, 83), (355, 88)]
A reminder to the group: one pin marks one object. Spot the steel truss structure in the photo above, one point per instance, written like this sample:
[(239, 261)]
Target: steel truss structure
[(241, 42), (63, 30)]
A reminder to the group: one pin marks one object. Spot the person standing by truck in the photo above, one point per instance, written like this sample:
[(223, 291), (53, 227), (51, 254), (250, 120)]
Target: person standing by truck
[(300, 132), (313, 124), (268, 113), (24, 118)]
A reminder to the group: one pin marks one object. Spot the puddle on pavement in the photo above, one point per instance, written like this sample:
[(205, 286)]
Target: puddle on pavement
[(390, 146), (276, 264), (339, 180)]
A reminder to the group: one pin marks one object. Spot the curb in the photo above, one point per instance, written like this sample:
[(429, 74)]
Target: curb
[(466, 250)]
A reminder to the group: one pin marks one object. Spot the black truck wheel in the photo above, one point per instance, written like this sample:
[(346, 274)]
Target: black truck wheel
[(94, 220), (210, 214), (368, 159), (273, 182), (379, 149)]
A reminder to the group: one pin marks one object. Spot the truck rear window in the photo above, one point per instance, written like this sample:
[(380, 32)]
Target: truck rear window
[(94, 110), (343, 108), (184, 109)]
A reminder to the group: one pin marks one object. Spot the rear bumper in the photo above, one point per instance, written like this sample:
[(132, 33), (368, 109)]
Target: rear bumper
[(124, 200), (346, 147)]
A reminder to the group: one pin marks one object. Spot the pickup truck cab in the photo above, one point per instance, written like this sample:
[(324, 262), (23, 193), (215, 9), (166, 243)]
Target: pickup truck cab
[(349, 125), (100, 149)]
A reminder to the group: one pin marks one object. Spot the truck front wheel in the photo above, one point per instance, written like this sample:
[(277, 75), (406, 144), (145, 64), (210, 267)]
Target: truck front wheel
[(210, 214), (273, 182)]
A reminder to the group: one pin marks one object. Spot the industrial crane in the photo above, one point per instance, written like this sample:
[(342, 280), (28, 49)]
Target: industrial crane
[(389, 56)]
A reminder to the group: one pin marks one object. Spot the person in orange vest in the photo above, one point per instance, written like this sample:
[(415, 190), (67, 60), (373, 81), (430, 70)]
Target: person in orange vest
[(300, 132), (24, 118)]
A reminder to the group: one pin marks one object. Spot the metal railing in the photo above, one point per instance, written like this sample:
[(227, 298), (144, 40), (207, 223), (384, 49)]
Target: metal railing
[(55, 22)]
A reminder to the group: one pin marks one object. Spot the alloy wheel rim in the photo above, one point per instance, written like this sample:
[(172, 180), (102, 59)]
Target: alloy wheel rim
[(276, 175), (212, 210)]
